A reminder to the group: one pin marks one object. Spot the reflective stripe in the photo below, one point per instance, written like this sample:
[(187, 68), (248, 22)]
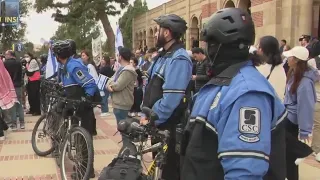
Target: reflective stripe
[(173, 91), (71, 85), (203, 120), (87, 82), (244, 154), (280, 119), (161, 77)]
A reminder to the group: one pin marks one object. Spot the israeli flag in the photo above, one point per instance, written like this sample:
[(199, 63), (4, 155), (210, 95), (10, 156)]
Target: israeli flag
[(52, 65), (118, 43)]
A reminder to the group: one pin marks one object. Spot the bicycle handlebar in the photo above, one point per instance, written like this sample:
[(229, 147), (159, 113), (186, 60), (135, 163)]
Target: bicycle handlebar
[(72, 101)]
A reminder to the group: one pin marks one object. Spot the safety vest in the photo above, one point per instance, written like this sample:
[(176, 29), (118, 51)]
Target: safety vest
[(36, 75)]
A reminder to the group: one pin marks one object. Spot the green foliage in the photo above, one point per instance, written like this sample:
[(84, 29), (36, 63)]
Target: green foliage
[(28, 47), (99, 10), (14, 34), (81, 31), (43, 50), (125, 22)]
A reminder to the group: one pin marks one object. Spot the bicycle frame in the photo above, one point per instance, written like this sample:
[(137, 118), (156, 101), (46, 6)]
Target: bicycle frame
[(154, 165)]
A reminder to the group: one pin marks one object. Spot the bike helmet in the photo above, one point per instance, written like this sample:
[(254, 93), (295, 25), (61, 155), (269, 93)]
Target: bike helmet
[(229, 25), (62, 49), (73, 46), (174, 23)]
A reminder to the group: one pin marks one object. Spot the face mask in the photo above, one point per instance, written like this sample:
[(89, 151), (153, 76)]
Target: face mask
[(27, 59)]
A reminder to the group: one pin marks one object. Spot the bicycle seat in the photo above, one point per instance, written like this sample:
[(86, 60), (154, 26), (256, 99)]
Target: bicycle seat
[(128, 127), (124, 126)]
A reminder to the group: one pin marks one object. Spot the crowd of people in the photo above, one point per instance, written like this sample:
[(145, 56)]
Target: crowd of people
[(250, 106)]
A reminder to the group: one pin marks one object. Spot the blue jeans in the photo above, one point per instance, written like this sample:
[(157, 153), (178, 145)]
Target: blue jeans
[(120, 114), (17, 110), (104, 102)]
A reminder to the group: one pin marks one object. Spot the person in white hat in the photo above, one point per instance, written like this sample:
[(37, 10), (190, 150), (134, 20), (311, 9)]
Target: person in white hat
[(300, 99)]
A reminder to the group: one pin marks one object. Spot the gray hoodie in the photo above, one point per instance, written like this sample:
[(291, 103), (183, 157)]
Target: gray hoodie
[(300, 106), (122, 83)]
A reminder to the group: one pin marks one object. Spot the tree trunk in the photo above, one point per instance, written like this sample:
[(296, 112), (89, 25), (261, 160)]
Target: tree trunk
[(108, 30)]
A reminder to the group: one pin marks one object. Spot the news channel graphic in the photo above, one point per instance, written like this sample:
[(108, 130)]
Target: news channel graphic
[(9, 12)]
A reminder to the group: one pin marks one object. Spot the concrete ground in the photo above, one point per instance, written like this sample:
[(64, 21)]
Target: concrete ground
[(18, 161)]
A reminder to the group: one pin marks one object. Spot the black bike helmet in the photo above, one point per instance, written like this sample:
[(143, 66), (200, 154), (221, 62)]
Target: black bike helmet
[(62, 49), (229, 25), (73, 46), (174, 23)]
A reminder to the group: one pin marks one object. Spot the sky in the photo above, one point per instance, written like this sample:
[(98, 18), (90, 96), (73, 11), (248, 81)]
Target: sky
[(43, 26)]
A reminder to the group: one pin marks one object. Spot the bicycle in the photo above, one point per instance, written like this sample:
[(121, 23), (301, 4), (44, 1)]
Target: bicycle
[(52, 128), (138, 133), (65, 141)]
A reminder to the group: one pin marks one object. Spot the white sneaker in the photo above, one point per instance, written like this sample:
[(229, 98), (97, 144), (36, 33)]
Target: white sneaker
[(2, 138), (318, 157), (299, 161), (104, 114), (139, 114)]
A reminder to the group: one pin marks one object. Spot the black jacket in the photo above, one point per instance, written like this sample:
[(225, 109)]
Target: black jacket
[(202, 78), (14, 68), (107, 71)]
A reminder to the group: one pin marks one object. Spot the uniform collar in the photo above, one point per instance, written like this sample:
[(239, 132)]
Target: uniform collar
[(226, 76), (175, 46)]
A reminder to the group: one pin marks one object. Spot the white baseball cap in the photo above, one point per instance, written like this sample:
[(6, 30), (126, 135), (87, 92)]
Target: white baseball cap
[(299, 52)]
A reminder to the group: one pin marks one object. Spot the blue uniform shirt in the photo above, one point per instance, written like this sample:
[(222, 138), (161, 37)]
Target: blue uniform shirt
[(242, 114), (77, 74), (176, 70)]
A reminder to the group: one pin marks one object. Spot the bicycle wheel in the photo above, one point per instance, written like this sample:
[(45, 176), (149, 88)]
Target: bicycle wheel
[(71, 152), (36, 148)]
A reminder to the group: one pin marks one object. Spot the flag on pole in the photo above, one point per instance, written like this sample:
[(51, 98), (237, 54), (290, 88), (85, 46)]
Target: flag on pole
[(52, 65), (118, 43)]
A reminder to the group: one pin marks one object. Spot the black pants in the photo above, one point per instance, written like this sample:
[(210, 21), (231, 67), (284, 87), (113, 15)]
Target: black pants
[(138, 96), (295, 149), (3, 126), (171, 169), (87, 122), (33, 89)]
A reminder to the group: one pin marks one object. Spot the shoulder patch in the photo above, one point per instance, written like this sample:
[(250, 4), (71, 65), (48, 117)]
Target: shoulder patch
[(80, 75), (215, 101), (249, 124)]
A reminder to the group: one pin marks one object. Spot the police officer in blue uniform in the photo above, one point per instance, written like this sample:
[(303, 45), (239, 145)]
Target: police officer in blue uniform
[(236, 126), (168, 79), (77, 82)]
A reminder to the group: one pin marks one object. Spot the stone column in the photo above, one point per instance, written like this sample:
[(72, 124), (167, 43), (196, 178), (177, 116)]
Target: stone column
[(305, 17), (315, 23)]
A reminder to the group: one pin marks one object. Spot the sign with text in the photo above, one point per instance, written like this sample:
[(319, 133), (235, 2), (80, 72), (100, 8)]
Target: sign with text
[(10, 12)]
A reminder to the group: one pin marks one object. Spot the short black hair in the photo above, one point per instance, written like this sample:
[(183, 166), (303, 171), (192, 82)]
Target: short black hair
[(197, 50), (152, 50), (135, 60), (125, 53), (306, 37), (284, 41)]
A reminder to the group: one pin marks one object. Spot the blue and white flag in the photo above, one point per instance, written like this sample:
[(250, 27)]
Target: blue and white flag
[(118, 43), (119, 40), (52, 65)]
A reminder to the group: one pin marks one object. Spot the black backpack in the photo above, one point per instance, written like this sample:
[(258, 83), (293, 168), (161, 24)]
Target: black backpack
[(123, 168)]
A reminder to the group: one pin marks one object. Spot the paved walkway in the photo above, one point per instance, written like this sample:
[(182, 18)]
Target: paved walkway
[(18, 161)]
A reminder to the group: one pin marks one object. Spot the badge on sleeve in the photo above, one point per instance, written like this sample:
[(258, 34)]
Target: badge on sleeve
[(249, 124), (80, 75)]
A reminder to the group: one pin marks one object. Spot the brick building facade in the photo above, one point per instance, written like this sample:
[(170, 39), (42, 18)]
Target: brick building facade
[(284, 19)]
